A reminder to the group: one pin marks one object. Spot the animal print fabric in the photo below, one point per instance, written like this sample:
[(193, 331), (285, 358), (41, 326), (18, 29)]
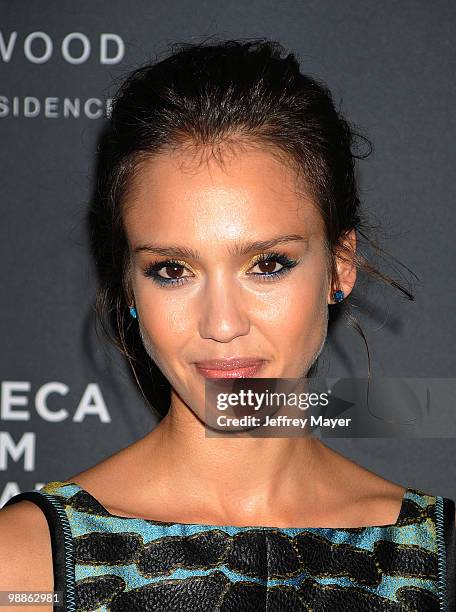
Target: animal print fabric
[(104, 562)]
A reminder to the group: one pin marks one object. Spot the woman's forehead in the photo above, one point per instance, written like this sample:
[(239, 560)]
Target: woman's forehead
[(250, 187)]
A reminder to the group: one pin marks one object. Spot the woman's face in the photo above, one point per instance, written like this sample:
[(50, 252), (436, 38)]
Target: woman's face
[(200, 286)]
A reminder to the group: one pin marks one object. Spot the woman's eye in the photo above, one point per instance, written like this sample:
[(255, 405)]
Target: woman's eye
[(268, 266), (172, 273)]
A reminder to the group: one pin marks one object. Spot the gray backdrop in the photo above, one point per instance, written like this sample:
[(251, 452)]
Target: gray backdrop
[(66, 401)]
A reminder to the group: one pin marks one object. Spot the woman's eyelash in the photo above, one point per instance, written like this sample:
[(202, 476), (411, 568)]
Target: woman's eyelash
[(286, 262), (152, 270)]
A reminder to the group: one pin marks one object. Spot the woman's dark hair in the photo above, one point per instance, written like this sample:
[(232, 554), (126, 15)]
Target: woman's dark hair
[(208, 94)]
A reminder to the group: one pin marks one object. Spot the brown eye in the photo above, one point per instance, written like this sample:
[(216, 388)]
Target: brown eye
[(267, 263), (173, 271), (267, 266)]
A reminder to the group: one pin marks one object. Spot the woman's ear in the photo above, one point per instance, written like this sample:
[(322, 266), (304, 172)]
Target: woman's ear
[(345, 266)]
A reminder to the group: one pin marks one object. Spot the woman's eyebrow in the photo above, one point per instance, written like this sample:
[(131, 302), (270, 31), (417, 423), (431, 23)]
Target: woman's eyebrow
[(238, 248)]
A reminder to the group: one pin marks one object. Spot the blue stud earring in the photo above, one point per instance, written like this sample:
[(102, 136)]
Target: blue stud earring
[(339, 295), (133, 312)]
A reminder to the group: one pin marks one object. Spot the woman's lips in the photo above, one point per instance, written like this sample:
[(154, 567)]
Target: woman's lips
[(231, 370)]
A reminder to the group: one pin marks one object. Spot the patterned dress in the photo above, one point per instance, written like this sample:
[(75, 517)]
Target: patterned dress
[(105, 562)]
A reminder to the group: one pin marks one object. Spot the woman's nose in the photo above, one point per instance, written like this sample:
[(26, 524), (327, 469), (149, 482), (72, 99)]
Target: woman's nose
[(223, 310)]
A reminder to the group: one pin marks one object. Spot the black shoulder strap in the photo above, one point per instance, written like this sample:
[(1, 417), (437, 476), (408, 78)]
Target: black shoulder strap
[(449, 533), (61, 544)]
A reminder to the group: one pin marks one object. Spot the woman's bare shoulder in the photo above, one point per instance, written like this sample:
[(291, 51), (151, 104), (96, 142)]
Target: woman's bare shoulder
[(25, 553)]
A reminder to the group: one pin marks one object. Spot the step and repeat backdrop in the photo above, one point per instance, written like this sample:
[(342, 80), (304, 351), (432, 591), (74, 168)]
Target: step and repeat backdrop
[(67, 398)]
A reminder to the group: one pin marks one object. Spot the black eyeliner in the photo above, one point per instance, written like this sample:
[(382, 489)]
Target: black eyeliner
[(151, 271)]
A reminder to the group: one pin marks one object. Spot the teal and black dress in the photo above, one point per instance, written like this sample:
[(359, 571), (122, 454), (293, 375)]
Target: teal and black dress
[(105, 562)]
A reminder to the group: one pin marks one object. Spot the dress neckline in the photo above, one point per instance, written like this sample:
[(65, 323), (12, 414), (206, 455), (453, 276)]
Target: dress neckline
[(170, 523)]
